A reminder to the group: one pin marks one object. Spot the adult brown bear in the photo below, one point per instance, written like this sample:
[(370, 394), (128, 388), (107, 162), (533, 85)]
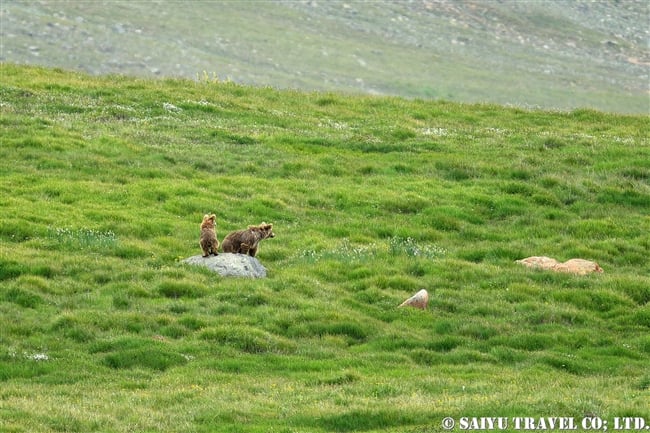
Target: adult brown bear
[(247, 241)]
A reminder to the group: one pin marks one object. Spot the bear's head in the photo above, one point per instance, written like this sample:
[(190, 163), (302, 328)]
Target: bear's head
[(208, 221), (266, 230)]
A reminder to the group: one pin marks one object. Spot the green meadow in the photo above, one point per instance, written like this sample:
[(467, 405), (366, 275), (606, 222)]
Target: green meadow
[(104, 182)]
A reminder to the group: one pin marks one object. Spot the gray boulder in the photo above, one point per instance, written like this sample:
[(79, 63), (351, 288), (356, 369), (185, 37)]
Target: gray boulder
[(230, 265)]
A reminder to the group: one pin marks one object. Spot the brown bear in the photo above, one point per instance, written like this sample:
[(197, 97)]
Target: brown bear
[(208, 240), (247, 241)]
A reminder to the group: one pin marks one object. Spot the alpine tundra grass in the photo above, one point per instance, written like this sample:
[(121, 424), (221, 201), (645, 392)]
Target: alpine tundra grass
[(104, 182)]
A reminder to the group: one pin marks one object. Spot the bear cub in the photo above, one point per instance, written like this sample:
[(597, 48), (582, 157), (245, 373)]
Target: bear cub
[(208, 240), (247, 241)]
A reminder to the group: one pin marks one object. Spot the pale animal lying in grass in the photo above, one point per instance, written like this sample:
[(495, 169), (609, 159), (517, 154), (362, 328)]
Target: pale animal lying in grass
[(572, 266)]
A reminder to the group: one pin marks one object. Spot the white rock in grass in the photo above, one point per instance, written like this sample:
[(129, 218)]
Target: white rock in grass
[(419, 300), (230, 265)]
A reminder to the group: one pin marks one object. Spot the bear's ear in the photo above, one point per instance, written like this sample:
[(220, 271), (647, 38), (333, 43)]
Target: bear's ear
[(267, 227), (213, 217)]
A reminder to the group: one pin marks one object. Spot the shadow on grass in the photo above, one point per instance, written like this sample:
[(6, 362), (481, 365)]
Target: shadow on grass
[(365, 420), (127, 353)]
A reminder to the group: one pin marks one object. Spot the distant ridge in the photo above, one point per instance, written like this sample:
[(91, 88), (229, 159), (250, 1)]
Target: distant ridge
[(558, 54)]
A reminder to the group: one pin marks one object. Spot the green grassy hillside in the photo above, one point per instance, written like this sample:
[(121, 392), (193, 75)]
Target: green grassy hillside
[(104, 182)]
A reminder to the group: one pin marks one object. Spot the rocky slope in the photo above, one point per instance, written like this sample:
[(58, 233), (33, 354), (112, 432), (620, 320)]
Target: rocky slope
[(554, 54)]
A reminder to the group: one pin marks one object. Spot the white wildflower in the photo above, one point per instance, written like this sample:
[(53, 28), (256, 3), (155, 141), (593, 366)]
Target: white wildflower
[(171, 107), (438, 132), (38, 357)]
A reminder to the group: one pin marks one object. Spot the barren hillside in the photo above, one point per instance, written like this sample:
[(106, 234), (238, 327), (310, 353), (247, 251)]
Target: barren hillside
[(552, 54)]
